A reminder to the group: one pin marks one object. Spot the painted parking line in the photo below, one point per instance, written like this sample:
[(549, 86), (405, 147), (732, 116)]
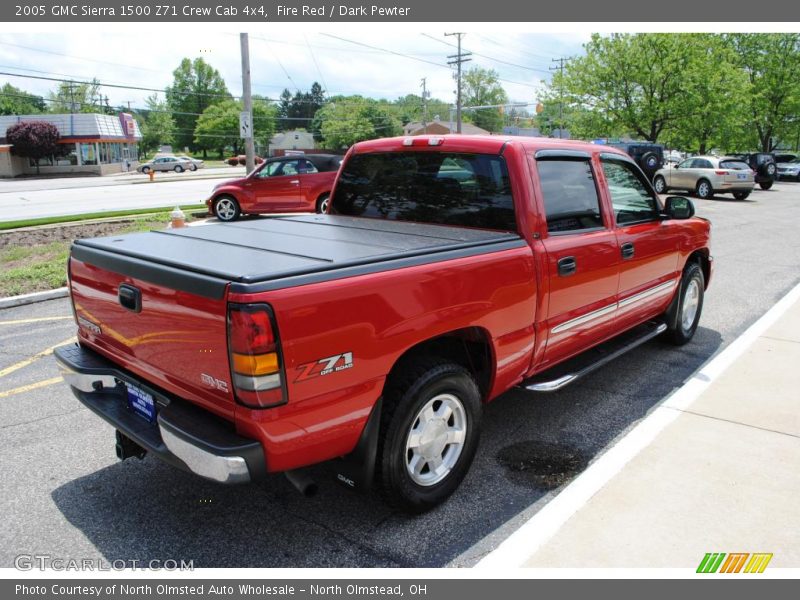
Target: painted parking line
[(39, 320), (523, 543), (24, 363), (30, 386)]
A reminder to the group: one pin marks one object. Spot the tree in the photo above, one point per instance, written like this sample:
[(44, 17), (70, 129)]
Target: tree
[(481, 87), (34, 139), (158, 125), (72, 97), (346, 120), (196, 86), (218, 126), (771, 62), (14, 101), (298, 111)]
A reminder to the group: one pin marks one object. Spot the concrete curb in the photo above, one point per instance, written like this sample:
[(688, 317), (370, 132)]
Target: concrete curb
[(24, 299)]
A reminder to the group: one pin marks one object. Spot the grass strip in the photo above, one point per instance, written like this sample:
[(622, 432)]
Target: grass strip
[(5, 226)]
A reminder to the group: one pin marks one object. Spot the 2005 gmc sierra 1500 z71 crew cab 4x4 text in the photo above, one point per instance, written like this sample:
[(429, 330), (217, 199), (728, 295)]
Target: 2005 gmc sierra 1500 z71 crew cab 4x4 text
[(447, 271)]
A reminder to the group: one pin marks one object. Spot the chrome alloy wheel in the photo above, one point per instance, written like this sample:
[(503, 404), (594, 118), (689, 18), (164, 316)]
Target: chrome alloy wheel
[(436, 439), (691, 300), (226, 209)]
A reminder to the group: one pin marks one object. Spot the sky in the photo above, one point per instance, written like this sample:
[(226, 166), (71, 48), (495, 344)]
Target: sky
[(348, 59)]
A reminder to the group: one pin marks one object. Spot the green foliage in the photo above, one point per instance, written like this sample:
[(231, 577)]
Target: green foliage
[(158, 125), (72, 97), (346, 120), (298, 111), (481, 87), (196, 86), (218, 126), (14, 101)]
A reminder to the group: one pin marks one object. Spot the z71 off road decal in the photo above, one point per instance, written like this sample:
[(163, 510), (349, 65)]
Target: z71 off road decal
[(325, 366)]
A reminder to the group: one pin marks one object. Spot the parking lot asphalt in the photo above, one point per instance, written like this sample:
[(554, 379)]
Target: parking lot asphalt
[(65, 494)]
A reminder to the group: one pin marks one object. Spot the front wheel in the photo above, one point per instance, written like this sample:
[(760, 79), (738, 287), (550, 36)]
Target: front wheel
[(704, 190), (660, 184), (322, 203), (430, 429), (145, 170), (765, 185), (681, 327), (227, 209)]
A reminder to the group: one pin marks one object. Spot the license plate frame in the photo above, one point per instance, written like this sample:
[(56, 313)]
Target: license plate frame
[(142, 403)]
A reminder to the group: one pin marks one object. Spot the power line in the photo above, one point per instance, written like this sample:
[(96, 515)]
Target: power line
[(458, 60), (316, 64), (560, 68), (492, 58), (86, 58)]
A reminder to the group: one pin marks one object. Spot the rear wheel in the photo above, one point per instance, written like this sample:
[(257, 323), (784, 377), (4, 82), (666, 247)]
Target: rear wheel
[(681, 327), (226, 208), (429, 433), (765, 185), (178, 169), (704, 190), (660, 184), (741, 195), (322, 203)]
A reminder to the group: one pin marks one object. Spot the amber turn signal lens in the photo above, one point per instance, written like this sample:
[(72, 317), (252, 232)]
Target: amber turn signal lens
[(255, 365)]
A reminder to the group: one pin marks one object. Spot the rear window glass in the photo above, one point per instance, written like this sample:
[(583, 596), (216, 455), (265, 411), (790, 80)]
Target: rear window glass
[(471, 190), (570, 196), (735, 165)]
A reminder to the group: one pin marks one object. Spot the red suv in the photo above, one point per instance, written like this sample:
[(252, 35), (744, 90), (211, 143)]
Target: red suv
[(279, 185)]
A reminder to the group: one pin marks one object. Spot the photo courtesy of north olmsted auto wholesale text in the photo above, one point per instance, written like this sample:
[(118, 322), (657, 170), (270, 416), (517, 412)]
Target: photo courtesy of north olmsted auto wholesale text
[(384, 300)]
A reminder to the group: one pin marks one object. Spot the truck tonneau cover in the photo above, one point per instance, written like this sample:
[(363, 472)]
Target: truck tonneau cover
[(268, 253)]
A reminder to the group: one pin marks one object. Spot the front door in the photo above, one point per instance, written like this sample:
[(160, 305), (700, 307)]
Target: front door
[(276, 187), (582, 254)]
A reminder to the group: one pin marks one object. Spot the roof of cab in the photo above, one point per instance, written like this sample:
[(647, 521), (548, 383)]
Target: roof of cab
[(489, 144)]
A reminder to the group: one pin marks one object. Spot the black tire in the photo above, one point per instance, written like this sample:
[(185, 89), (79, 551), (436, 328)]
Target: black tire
[(660, 184), (703, 190), (322, 203), (145, 170), (681, 330), (226, 208), (193, 167), (178, 169), (765, 185), (422, 381), (741, 195)]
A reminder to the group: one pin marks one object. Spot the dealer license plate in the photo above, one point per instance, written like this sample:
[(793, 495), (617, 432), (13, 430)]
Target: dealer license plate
[(141, 402), (741, 175)]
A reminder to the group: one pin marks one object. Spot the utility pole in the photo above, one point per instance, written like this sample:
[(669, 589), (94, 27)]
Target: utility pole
[(246, 120), (560, 68), (424, 105), (458, 60)]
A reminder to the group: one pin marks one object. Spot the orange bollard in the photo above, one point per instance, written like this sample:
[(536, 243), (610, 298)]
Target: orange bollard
[(177, 218), (152, 175)]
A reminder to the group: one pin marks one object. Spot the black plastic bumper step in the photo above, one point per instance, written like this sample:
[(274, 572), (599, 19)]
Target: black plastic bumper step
[(573, 369)]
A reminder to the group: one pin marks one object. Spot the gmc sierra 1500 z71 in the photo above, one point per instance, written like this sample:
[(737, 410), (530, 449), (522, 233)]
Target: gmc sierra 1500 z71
[(447, 271)]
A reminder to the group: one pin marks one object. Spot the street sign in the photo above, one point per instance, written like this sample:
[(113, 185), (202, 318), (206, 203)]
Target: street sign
[(245, 125)]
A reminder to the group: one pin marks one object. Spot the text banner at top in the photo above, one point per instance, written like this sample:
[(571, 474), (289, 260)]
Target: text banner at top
[(283, 11)]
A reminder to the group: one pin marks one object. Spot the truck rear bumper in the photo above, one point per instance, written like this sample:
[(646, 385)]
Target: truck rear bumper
[(182, 435)]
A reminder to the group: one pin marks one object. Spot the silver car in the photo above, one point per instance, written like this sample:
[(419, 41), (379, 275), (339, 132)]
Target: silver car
[(167, 163), (706, 176), (789, 170)]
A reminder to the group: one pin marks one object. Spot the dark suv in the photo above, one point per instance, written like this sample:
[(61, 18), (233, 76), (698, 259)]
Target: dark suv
[(763, 163), (649, 156)]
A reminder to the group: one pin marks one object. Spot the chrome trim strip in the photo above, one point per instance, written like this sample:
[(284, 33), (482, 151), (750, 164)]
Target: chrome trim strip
[(596, 314), (657, 290), (225, 469)]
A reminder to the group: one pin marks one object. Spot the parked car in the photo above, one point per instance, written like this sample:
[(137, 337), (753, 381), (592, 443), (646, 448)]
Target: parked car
[(166, 163), (278, 185), (784, 158), (197, 163), (789, 169), (763, 163), (649, 156), (706, 176), (373, 336)]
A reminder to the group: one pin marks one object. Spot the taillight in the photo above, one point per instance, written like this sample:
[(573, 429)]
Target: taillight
[(722, 172), (256, 365)]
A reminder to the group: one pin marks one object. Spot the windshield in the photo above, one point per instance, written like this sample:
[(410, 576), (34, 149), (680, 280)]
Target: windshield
[(444, 188)]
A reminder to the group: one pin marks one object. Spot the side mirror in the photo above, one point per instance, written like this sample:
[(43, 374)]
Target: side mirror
[(678, 207)]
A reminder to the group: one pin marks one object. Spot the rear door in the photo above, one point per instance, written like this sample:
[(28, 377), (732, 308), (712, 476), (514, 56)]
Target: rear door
[(647, 246), (277, 186), (583, 257)]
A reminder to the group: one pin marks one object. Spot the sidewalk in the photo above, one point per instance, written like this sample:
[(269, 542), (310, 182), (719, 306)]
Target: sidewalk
[(722, 475)]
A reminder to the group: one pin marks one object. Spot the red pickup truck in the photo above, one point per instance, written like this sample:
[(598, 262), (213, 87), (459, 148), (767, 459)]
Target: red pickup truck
[(447, 271)]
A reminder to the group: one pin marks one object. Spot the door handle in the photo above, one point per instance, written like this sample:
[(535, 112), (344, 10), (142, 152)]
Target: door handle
[(627, 250), (130, 297), (567, 266), (294, 181)]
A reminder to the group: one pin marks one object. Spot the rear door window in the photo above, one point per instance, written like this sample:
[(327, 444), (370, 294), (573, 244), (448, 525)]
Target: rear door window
[(571, 202), (445, 188)]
